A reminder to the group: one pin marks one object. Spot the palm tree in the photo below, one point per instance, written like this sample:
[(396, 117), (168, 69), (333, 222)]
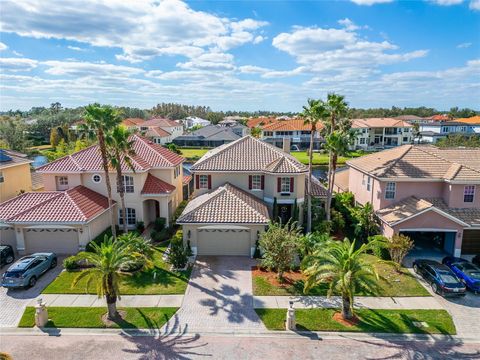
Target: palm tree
[(337, 108), (99, 120), (107, 260), (119, 151), (313, 113), (344, 268)]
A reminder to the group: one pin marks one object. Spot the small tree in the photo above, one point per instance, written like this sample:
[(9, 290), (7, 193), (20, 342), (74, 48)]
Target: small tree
[(398, 247), (279, 246), (178, 255), (366, 222)]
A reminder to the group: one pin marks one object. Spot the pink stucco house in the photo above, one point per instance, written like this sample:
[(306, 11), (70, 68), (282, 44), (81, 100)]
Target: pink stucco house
[(428, 193)]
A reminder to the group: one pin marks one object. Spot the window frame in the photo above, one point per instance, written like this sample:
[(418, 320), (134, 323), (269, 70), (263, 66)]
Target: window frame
[(390, 191), (285, 182), (256, 182), (203, 181), (62, 180), (472, 194), (131, 214), (128, 187), (369, 183), (99, 176)]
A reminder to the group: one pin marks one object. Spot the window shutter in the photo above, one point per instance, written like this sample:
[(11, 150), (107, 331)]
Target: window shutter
[(279, 184), (197, 181), (262, 182), (291, 184), (209, 182), (249, 182)]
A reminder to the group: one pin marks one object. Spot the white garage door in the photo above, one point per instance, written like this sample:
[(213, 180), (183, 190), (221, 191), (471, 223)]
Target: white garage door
[(60, 241), (223, 242)]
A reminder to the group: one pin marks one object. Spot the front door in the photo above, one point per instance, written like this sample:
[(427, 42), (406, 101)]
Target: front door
[(157, 209), (284, 212)]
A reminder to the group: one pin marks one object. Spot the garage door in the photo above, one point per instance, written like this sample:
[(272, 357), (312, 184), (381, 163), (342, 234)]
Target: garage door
[(223, 242), (471, 242), (60, 241), (7, 237)]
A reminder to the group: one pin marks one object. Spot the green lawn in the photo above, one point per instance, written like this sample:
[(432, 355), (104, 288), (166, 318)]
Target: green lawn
[(165, 282), (380, 321), (322, 159), (193, 154), (391, 284), (84, 317)]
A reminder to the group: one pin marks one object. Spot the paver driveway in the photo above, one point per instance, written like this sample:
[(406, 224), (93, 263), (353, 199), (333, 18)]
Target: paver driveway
[(14, 301), (218, 297)]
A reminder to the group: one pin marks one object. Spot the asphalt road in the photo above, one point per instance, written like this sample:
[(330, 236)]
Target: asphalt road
[(117, 347)]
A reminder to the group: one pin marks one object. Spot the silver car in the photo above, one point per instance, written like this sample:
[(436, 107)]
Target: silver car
[(26, 271)]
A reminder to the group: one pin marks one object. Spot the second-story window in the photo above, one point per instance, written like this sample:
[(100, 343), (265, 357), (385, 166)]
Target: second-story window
[(203, 181), (285, 185), (128, 184), (369, 184), (256, 182), (468, 193), (390, 190)]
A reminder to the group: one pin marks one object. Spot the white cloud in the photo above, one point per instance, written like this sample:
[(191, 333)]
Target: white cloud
[(143, 29), (17, 64), (258, 39), (370, 2), (474, 5), (447, 2), (16, 53), (80, 68), (348, 24), (76, 48), (3, 46), (464, 45)]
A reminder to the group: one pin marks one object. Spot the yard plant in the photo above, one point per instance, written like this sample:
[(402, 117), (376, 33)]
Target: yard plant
[(398, 247)]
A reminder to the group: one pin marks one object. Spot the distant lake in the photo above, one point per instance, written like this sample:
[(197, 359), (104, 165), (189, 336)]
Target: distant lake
[(39, 160)]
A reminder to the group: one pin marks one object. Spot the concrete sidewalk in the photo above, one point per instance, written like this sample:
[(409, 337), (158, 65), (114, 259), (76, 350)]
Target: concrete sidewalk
[(71, 300), (311, 302)]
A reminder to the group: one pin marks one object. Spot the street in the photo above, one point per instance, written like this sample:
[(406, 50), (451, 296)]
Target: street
[(197, 346)]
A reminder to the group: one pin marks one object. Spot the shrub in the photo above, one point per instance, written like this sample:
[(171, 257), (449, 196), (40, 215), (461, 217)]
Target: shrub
[(70, 263), (100, 238), (140, 226), (338, 222), (177, 256), (179, 210), (398, 247), (323, 227), (159, 223), (378, 244), (159, 236), (308, 243)]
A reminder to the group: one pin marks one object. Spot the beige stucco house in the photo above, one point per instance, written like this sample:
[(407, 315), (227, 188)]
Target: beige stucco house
[(422, 191), (239, 187), (14, 174), (380, 133), (76, 184)]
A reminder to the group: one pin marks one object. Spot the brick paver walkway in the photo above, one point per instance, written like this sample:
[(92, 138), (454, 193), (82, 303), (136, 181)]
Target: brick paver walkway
[(218, 297)]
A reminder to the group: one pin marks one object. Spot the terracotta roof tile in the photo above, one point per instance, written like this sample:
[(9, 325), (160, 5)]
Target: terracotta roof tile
[(318, 190), (157, 132), (186, 179), (160, 122), (225, 205), (378, 122), (131, 122), (147, 155), (154, 185), (474, 120), (290, 125), (249, 154), (78, 204)]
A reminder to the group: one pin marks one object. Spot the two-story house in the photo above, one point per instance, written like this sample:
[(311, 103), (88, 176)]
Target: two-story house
[(15, 174), (432, 132), (428, 193), (239, 187), (379, 133), (160, 131), (73, 209), (293, 129)]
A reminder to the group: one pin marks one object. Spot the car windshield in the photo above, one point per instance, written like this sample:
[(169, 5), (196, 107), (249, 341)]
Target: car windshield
[(14, 273), (475, 274), (448, 278)]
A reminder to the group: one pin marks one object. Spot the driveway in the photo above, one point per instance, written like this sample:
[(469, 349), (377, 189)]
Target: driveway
[(14, 301), (218, 297)]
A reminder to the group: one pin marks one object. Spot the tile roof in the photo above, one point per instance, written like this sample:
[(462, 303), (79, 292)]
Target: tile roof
[(422, 162), (225, 205), (154, 185), (441, 117), (9, 158), (411, 206), (474, 120), (160, 122), (212, 133), (290, 125), (186, 179), (378, 122), (249, 154), (148, 155), (78, 204), (130, 122), (261, 121), (318, 190), (157, 132), (408, 117), (342, 178)]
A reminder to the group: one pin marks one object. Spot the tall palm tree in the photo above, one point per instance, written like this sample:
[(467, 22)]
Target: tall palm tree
[(107, 260), (344, 268), (99, 120), (119, 151), (313, 113), (337, 108), (337, 144)]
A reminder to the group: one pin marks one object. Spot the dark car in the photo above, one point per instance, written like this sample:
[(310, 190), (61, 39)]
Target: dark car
[(26, 271), (443, 281), (6, 255), (468, 273), (476, 260)]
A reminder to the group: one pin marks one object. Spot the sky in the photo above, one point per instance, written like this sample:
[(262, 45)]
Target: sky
[(240, 55)]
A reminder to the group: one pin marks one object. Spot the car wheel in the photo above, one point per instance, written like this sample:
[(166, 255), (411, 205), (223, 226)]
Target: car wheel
[(32, 281), (53, 263), (435, 288), (9, 259), (415, 268)]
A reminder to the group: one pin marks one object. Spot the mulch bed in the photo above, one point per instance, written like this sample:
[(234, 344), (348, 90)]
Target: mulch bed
[(110, 323), (350, 322), (290, 277)]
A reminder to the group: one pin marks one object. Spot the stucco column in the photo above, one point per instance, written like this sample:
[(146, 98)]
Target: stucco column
[(458, 243), (84, 237), (20, 240)]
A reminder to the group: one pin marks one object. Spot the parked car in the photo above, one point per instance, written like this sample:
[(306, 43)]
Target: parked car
[(26, 271), (442, 280), (468, 273), (6, 255), (476, 260)]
